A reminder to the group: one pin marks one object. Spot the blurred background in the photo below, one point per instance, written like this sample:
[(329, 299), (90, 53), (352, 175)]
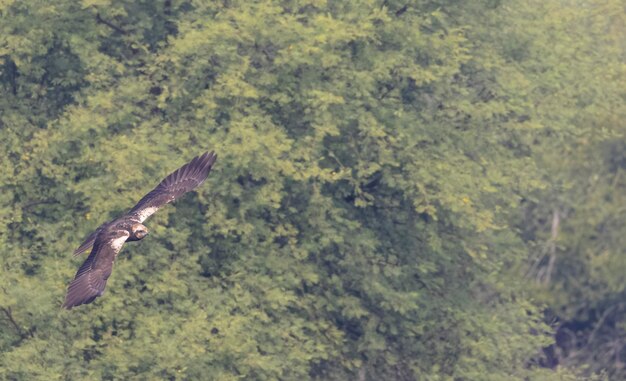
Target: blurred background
[(405, 190)]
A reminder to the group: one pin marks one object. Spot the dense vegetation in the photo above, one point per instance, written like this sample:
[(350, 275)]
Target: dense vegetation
[(405, 190)]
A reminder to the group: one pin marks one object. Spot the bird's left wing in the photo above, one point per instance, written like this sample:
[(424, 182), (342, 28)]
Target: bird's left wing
[(88, 242), (175, 185), (91, 278)]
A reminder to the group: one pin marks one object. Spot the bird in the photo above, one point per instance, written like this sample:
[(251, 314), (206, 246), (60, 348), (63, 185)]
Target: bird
[(107, 240)]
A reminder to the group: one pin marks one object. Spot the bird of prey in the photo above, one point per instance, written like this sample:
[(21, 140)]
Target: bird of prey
[(108, 239)]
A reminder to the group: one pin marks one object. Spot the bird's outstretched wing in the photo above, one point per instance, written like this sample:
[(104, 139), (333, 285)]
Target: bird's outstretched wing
[(91, 278), (175, 185)]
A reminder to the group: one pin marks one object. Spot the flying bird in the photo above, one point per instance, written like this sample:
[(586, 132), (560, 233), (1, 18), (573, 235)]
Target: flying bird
[(107, 240)]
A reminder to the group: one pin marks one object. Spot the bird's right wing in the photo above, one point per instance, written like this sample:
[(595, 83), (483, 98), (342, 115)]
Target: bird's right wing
[(91, 278), (179, 182)]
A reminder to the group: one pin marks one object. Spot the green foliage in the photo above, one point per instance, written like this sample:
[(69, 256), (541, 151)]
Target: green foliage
[(572, 227), (362, 219)]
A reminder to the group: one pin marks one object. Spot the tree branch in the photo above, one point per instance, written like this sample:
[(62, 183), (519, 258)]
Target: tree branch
[(26, 207), (9, 315), (554, 234), (600, 322), (110, 24)]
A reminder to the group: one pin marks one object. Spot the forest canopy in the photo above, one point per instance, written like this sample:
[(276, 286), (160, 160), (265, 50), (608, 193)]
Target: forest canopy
[(405, 190)]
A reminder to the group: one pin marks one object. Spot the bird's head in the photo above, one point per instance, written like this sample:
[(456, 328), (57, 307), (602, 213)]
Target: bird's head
[(139, 231)]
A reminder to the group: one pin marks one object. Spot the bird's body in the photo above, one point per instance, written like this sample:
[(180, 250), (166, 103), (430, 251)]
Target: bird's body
[(107, 240)]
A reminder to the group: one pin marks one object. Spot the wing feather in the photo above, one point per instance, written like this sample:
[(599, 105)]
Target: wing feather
[(88, 242), (179, 182), (92, 276)]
